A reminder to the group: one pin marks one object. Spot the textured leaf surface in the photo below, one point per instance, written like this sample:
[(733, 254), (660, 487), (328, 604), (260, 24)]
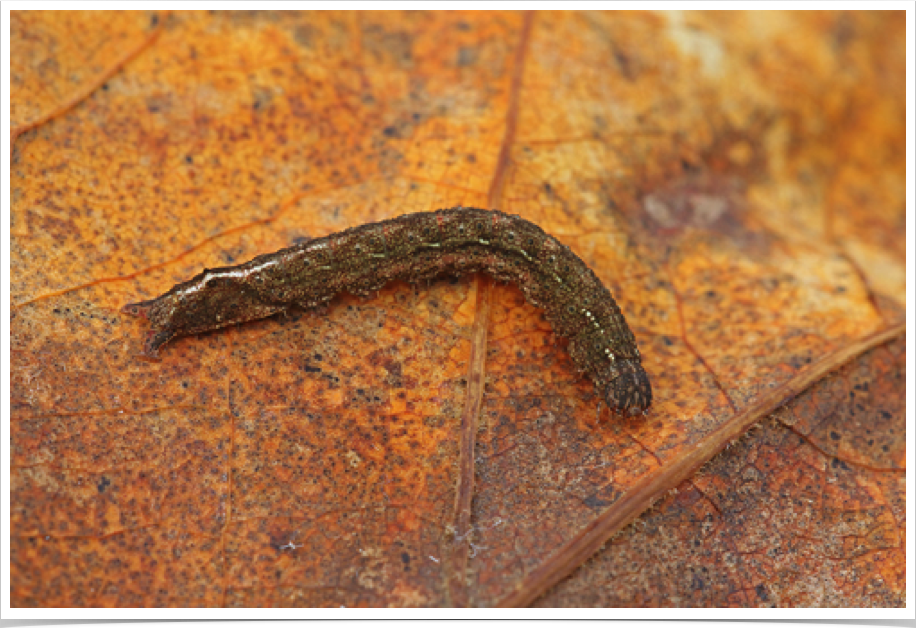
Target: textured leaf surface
[(807, 510), (738, 186)]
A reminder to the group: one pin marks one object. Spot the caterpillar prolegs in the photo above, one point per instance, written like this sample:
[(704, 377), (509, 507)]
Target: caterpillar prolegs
[(412, 248)]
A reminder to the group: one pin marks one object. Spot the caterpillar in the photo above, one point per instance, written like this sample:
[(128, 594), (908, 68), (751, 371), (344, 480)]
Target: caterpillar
[(417, 247)]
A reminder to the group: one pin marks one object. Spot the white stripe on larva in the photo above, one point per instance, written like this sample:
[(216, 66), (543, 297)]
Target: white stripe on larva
[(233, 273)]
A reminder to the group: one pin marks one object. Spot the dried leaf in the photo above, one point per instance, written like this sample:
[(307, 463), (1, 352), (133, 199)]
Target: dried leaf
[(807, 510), (736, 179)]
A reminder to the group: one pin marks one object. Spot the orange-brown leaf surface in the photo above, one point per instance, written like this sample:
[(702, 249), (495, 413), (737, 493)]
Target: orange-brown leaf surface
[(807, 510), (736, 180)]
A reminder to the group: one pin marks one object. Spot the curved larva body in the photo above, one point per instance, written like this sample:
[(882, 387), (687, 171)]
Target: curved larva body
[(412, 248)]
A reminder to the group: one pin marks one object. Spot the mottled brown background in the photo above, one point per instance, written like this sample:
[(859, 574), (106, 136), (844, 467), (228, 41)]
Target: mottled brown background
[(736, 179)]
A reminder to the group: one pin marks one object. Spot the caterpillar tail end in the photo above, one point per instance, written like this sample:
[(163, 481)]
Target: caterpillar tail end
[(140, 309), (154, 339)]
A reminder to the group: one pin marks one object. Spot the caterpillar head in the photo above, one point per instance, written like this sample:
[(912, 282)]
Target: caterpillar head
[(628, 390)]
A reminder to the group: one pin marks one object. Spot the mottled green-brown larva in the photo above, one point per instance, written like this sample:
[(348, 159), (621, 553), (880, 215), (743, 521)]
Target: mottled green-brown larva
[(413, 248)]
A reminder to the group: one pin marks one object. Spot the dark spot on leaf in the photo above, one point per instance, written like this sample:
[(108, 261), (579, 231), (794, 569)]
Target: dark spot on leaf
[(836, 463), (467, 55)]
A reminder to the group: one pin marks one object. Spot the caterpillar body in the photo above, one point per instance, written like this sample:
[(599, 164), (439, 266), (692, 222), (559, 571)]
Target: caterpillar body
[(416, 247)]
